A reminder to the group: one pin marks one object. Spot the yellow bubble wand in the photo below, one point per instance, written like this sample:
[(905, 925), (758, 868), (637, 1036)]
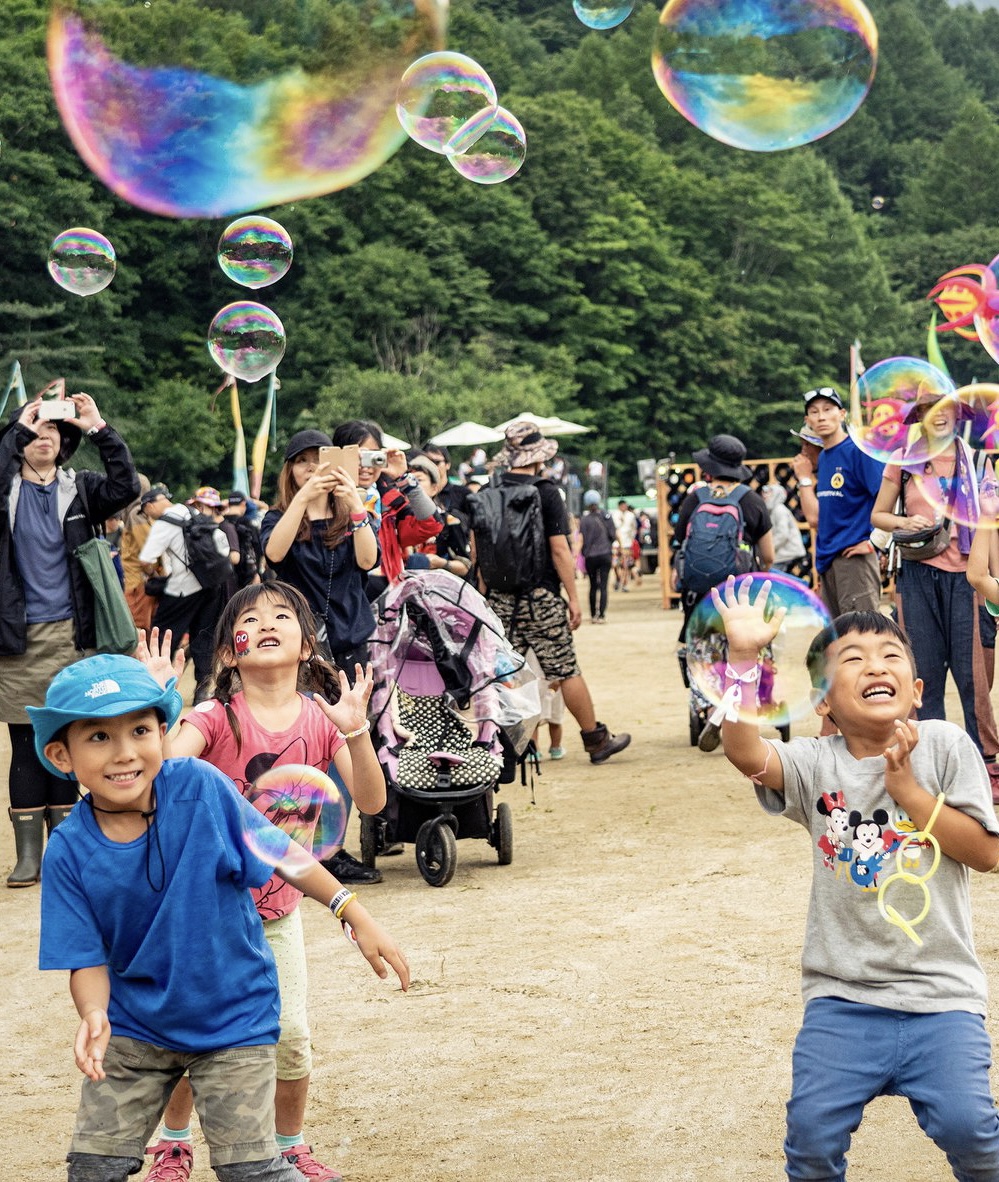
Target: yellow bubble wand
[(887, 911)]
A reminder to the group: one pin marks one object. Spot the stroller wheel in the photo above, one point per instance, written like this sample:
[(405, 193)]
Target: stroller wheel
[(502, 835), (369, 839), (436, 852)]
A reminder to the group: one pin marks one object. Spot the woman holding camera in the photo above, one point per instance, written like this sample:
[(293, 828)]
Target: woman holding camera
[(46, 604), (934, 482), (407, 515)]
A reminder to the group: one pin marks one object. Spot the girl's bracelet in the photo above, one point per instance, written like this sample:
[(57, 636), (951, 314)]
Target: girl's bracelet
[(361, 730), (356, 525), (340, 900), (360, 515)]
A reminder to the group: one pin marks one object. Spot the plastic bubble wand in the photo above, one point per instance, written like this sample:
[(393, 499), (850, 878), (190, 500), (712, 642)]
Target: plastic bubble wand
[(887, 911)]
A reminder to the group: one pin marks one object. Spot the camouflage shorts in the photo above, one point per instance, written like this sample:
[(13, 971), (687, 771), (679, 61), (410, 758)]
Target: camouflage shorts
[(539, 620), (233, 1094)]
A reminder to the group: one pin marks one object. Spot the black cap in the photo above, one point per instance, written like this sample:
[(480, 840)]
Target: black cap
[(154, 493), (303, 440)]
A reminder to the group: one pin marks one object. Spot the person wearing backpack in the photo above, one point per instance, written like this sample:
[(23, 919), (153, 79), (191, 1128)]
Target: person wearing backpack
[(598, 534), (196, 556), (521, 555)]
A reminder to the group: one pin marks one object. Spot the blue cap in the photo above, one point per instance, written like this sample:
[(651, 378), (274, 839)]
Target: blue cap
[(104, 686), (591, 497)]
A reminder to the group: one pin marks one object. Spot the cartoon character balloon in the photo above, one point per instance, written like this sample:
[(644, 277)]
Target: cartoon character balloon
[(969, 296)]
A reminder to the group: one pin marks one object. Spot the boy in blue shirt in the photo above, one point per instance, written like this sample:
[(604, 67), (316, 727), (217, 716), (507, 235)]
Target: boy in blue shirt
[(888, 1011), (158, 849)]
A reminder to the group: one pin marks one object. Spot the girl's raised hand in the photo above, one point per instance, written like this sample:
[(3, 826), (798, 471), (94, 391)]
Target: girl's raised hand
[(351, 711), (155, 655), (746, 624)]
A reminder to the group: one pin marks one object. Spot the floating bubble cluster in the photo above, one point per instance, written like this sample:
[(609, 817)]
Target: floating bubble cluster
[(784, 689), (192, 108), (497, 154), (602, 14), (765, 76), (445, 101), (82, 261), (246, 340), (255, 251), (887, 393)]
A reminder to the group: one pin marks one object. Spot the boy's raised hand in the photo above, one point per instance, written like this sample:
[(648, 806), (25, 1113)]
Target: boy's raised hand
[(155, 655), (349, 713), (746, 624), (898, 765), (91, 1043)]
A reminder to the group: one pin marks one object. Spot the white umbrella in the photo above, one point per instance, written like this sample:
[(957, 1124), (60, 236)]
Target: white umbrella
[(547, 424), (393, 443), (467, 434)]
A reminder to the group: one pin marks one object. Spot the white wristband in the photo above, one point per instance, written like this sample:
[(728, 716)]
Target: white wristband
[(361, 730)]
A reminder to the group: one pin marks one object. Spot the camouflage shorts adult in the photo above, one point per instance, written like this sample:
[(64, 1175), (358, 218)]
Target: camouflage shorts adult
[(539, 620), (233, 1094)]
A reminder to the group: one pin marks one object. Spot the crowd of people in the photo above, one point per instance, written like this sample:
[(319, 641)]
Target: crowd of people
[(273, 606)]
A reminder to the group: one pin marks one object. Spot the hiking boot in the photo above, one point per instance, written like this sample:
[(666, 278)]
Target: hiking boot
[(710, 737), (301, 1158), (600, 744), (346, 869), (172, 1161)]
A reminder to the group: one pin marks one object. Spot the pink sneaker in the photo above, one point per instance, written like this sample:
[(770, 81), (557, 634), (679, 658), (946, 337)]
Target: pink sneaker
[(301, 1158), (172, 1161)]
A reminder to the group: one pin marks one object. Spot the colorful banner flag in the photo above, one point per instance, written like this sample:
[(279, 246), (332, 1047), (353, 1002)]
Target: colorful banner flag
[(856, 369), (267, 429), (16, 384), (933, 354)]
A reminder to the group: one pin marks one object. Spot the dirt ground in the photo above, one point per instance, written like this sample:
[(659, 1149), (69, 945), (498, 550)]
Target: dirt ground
[(618, 1004)]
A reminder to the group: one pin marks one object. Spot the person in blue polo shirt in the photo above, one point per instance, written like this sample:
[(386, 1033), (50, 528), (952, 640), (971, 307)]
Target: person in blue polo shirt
[(837, 499)]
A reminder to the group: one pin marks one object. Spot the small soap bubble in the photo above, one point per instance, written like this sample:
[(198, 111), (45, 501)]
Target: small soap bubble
[(255, 251), (764, 77), (597, 15), (783, 689), (246, 340), (497, 155), (295, 797), (82, 261), (445, 102), (887, 418), (877, 203)]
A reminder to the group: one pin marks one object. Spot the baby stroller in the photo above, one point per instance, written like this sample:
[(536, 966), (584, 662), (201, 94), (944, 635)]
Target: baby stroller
[(453, 707)]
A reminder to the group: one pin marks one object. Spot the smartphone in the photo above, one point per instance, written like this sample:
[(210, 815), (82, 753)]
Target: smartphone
[(56, 408), (341, 457)]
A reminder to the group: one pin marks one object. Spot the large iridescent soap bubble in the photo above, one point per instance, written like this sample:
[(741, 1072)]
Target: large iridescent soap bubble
[(445, 101), (207, 108), (82, 261), (765, 76), (784, 688), (602, 14), (305, 805), (246, 340), (255, 251), (497, 154), (885, 416)]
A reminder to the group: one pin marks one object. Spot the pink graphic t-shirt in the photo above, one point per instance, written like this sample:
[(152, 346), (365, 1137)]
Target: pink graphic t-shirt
[(312, 740)]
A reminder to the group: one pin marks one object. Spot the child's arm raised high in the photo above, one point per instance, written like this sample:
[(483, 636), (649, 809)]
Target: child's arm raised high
[(356, 760), (748, 631)]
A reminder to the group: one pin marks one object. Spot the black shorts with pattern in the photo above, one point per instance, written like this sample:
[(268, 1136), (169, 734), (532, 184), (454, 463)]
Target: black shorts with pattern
[(539, 620)]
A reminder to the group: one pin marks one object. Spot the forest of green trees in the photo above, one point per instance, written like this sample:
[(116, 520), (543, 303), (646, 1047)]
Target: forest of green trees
[(635, 275)]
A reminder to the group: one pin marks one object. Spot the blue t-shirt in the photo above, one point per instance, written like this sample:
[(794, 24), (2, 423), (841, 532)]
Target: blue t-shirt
[(330, 580), (189, 966), (40, 550), (847, 485)]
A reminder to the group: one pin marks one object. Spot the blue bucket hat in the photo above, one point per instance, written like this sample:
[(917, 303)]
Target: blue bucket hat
[(104, 686)]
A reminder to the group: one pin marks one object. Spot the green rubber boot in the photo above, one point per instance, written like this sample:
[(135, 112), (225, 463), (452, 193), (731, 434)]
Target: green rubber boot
[(55, 814), (29, 838)]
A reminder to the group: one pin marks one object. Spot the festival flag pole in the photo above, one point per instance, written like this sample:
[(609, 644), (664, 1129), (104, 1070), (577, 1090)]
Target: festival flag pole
[(856, 369), (240, 483)]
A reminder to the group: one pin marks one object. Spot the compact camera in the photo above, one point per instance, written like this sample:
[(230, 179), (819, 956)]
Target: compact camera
[(372, 459), (56, 408)]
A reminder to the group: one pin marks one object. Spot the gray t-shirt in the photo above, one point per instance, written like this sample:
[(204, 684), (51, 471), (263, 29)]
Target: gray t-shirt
[(850, 950)]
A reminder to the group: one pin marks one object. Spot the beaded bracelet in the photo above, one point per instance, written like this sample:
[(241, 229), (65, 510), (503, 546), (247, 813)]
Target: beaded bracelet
[(356, 525), (361, 730), (340, 901)]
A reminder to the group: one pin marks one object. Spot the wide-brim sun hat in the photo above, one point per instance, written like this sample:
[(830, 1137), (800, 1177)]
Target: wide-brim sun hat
[(206, 495), (524, 445), (927, 399), (303, 440), (105, 686), (723, 458), (806, 435)]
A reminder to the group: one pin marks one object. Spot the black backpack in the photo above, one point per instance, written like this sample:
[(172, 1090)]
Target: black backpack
[(208, 566), (713, 548), (510, 541)]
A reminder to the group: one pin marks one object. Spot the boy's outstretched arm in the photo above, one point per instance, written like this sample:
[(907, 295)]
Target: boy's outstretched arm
[(90, 989), (748, 631), (313, 879)]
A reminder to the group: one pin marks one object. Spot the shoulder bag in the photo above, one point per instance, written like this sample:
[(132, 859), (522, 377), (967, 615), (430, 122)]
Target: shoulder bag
[(113, 623)]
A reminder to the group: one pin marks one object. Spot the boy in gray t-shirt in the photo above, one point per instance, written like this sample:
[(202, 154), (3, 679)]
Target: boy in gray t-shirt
[(888, 1011)]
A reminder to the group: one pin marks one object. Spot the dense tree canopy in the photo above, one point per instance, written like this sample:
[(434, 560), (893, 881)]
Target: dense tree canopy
[(635, 275)]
